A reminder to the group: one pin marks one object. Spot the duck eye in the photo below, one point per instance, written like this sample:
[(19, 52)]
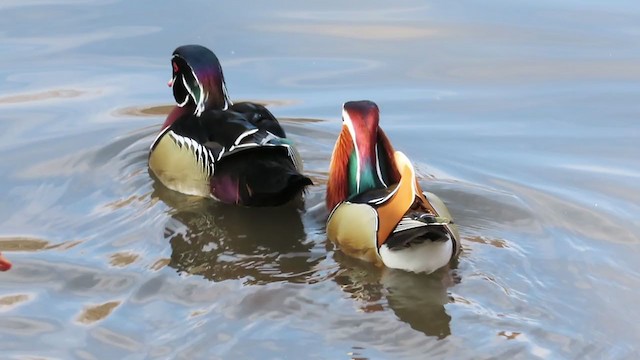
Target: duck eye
[(175, 67)]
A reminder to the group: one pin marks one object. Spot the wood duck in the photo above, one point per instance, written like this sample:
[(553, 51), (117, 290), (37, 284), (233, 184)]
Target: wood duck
[(379, 213), (4, 263), (209, 147)]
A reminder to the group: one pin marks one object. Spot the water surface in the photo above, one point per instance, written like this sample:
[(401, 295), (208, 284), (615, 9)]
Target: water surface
[(522, 116)]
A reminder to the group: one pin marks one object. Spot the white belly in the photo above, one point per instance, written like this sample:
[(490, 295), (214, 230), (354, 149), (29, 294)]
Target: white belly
[(426, 257)]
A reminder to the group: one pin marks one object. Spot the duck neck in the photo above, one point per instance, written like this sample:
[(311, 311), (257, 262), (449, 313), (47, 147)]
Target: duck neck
[(366, 170), (176, 113)]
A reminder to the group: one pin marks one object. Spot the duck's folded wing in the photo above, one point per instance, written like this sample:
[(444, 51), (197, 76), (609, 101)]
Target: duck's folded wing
[(259, 116), (224, 133), (417, 228), (442, 211)]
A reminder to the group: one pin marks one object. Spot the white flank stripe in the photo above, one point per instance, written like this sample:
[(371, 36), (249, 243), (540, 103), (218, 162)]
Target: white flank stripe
[(383, 199), (179, 139), (203, 95), (245, 134), (186, 86), (164, 131), (407, 224)]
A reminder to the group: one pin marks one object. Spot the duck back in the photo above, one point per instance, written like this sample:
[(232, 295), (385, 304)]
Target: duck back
[(225, 155)]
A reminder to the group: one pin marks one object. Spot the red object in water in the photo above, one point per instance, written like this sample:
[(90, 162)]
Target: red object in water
[(4, 263)]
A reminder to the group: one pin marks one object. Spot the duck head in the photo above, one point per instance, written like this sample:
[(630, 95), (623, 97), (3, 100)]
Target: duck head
[(197, 80), (4, 263), (363, 158)]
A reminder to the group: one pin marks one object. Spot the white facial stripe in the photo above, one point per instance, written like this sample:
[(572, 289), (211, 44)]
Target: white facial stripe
[(186, 86), (203, 95), (227, 100), (186, 100), (378, 170), (347, 121)]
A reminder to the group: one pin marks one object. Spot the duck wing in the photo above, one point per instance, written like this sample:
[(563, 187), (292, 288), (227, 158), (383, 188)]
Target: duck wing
[(221, 134), (259, 116), (406, 216)]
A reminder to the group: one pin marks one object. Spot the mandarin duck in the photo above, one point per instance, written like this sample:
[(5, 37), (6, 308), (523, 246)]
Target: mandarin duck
[(210, 147), (378, 212), (4, 263)]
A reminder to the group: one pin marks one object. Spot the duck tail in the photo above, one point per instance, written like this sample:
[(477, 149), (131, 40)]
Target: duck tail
[(418, 228), (263, 178)]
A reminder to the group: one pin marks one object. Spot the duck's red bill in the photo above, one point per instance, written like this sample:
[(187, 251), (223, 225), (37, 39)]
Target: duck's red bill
[(4, 264)]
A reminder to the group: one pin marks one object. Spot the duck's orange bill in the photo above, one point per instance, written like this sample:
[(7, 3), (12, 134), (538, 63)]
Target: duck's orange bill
[(4, 263)]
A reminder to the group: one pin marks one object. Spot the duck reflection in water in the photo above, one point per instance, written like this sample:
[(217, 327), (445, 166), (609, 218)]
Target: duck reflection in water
[(416, 299), (220, 241)]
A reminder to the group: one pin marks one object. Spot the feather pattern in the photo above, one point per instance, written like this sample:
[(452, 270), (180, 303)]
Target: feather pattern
[(394, 219), (208, 146), (202, 154), (338, 184)]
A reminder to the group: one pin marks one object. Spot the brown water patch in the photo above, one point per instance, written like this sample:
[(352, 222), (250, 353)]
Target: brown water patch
[(509, 335), (123, 259), (498, 243), (94, 313), (19, 243), (197, 313), (123, 203), (22, 244), (159, 264), (65, 245), (10, 301), (159, 110), (43, 95), (149, 111)]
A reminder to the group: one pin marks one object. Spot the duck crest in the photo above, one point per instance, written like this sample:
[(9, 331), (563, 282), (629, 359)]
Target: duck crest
[(197, 80), (357, 170)]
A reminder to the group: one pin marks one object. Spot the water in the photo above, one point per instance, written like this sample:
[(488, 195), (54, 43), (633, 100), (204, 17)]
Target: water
[(522, 116)]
